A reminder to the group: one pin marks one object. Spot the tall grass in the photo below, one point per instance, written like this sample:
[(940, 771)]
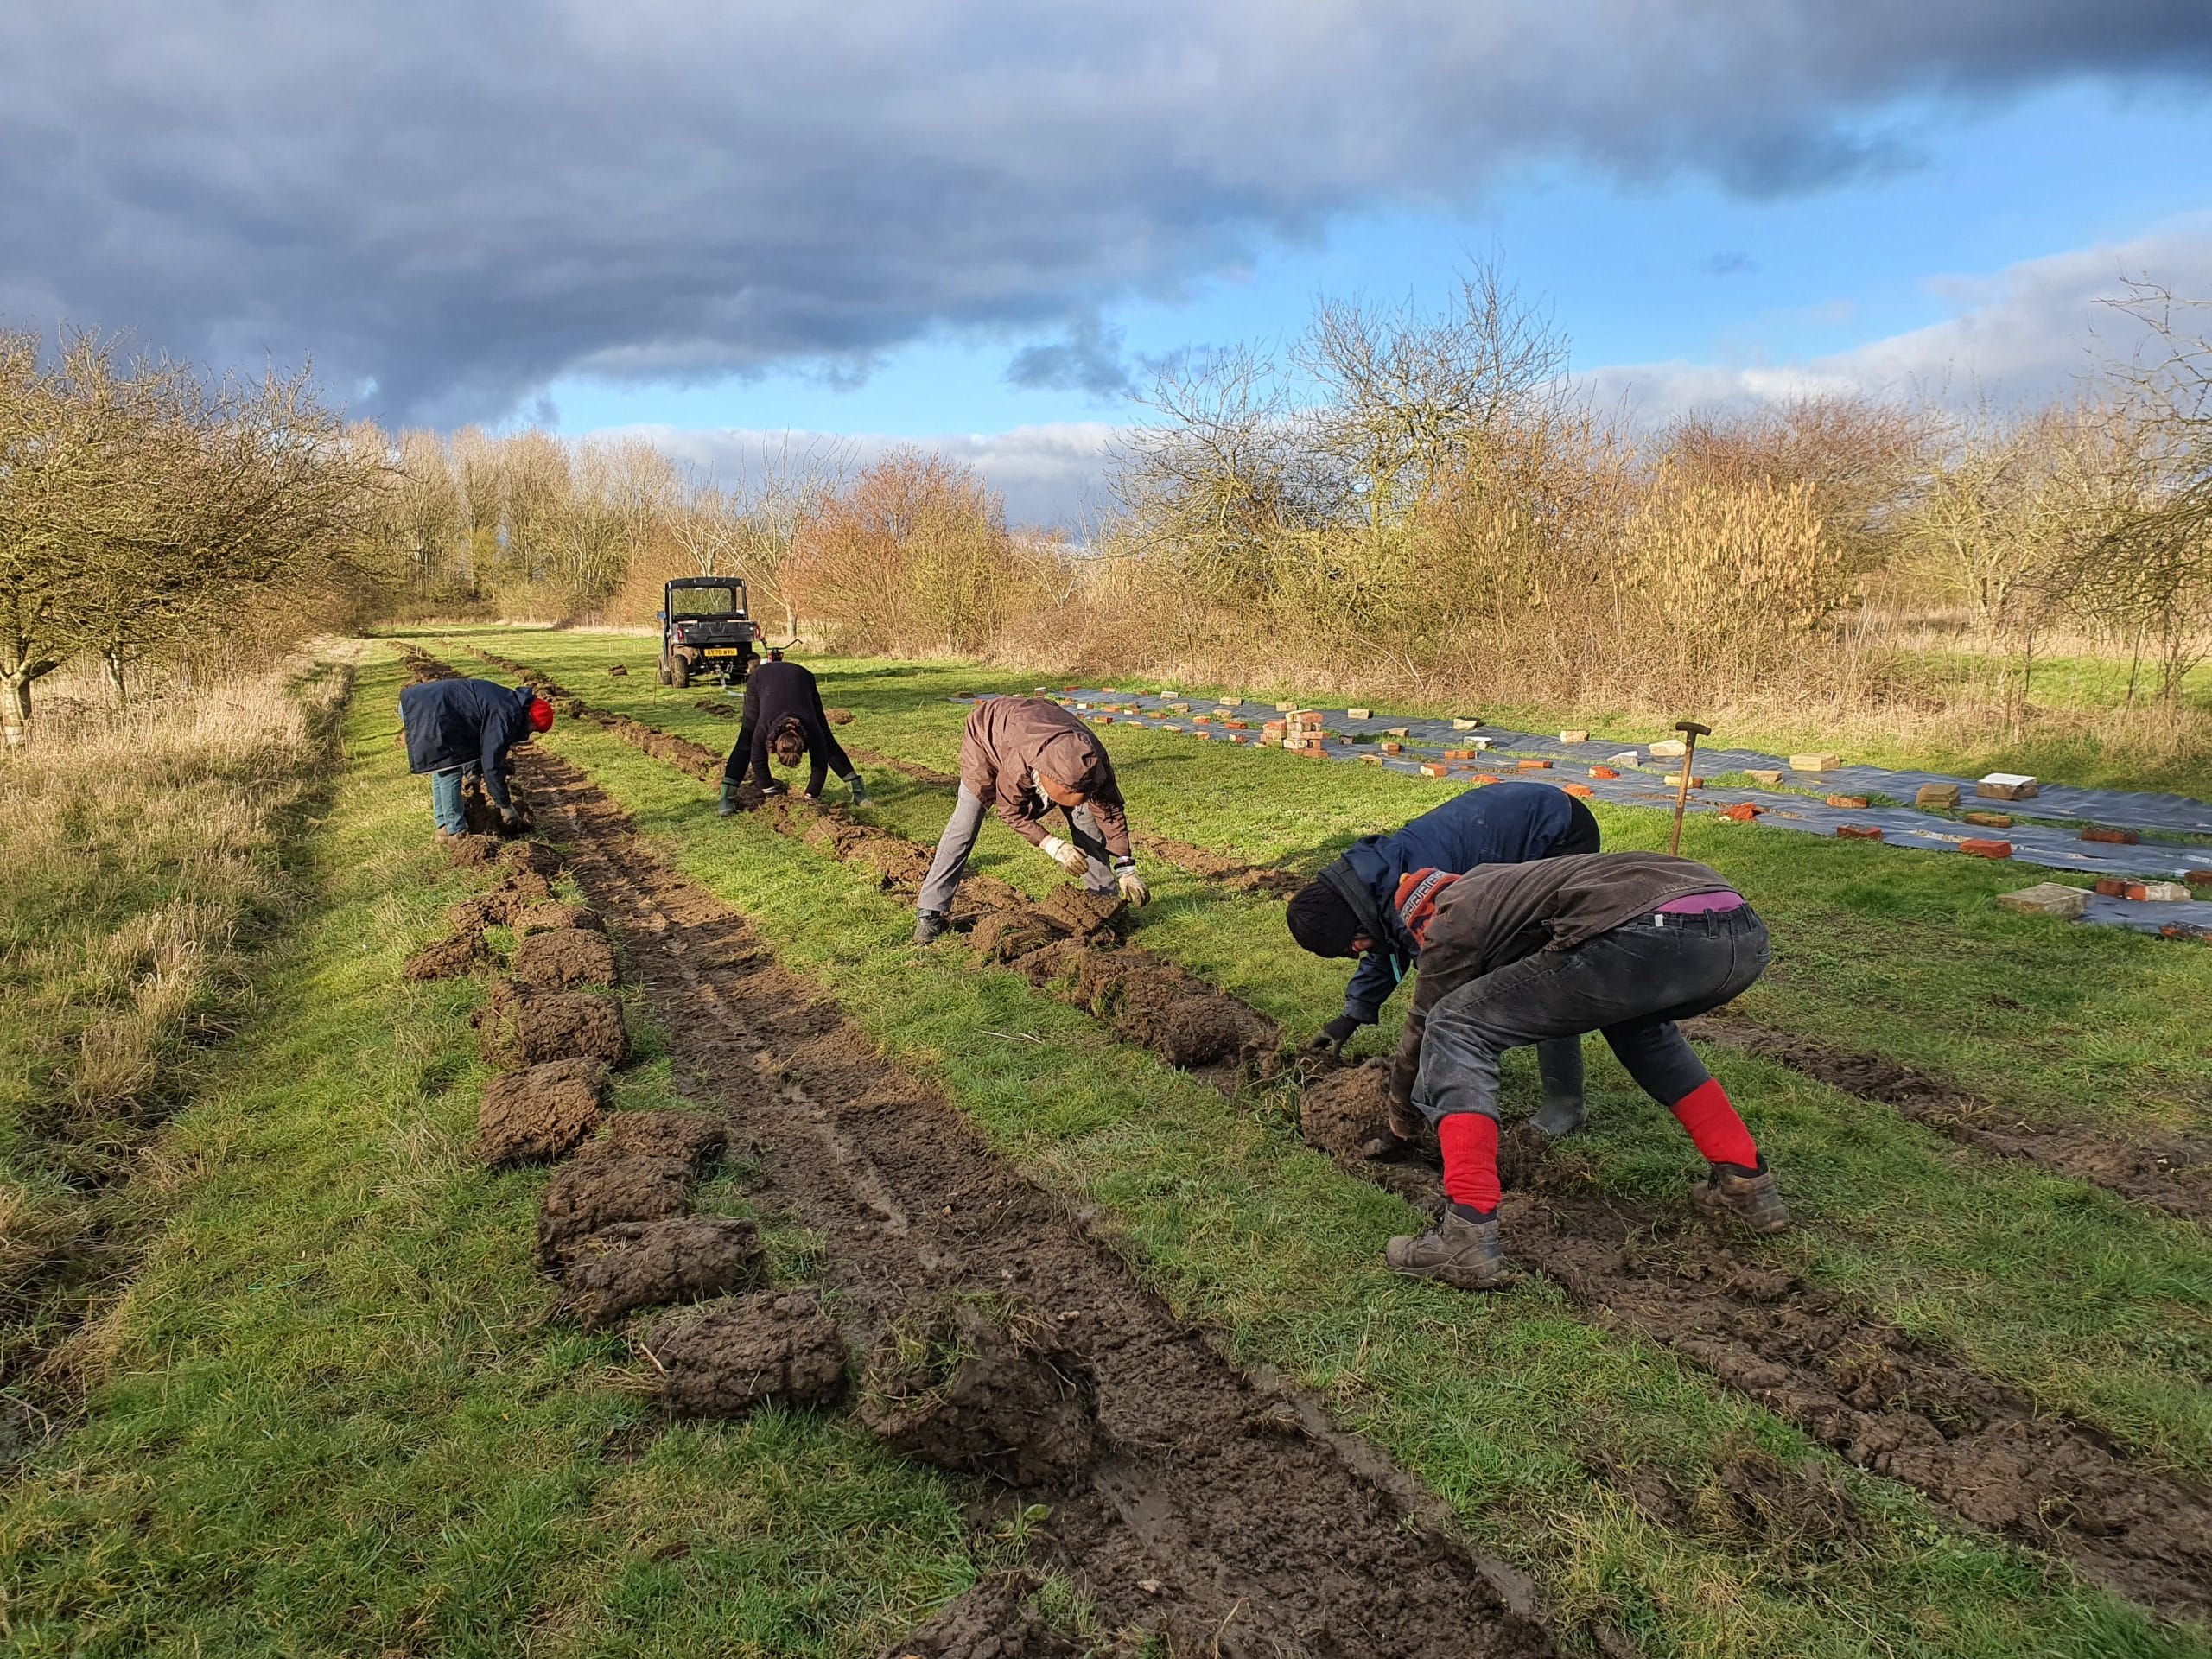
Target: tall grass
[(141, 851)]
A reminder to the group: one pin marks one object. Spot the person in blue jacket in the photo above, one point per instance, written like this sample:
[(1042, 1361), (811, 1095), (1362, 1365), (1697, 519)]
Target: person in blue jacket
[(457, 727), (1351, 907)]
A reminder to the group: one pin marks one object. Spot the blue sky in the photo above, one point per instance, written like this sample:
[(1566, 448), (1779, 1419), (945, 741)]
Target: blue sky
[(708, 221), (1671, 270)]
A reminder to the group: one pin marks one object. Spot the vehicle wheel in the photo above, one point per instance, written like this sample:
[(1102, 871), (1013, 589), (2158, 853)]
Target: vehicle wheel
[(679, 674), (660, 670)]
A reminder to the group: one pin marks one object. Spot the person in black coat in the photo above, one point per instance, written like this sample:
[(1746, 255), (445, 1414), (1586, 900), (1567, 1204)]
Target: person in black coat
[(784, 717), (456, 728)]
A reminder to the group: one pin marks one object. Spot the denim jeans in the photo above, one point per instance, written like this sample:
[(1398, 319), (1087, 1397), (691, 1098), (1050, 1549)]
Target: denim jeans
[(1631, 984), (959, 840), (445, 800)]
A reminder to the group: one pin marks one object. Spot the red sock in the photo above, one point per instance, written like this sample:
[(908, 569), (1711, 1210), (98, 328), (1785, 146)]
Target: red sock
[(1712, 1123), (1468, 1142)]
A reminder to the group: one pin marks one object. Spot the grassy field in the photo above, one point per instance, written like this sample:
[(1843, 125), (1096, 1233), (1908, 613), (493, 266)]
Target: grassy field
[(328, 1414), (1513, 1407)]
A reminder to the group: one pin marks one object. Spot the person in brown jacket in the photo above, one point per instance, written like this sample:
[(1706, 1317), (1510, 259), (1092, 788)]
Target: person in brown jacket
[(1025, 757), (1624, 943)]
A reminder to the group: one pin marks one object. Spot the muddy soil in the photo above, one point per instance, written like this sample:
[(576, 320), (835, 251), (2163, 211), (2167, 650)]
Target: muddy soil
[(2168, 1172), (540, 1115), (518, 1027), (731, 1357), (563, 961), (534, 857), (552, 918), (594, 1194), (698, 1139), (997, 1618), (1221, 1509), (1343, 1114), (471, 852), (637, 1264), (498, 906), (986, 1387), (1882, 1399), (448, 958)]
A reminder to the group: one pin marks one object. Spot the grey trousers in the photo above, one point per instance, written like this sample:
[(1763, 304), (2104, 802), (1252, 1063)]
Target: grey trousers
[(959, 840)]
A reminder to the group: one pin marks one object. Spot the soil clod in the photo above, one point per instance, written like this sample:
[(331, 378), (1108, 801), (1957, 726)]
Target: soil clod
[(563, 960), (693, 1137), (471, 852), (520, 1026), (552, 919), (594, 1194), (979, 1386), (1346, 1113), (448, 958), (540, 1115), (1091, 917), (637, 1264), (996, 1618), (730, 1358)]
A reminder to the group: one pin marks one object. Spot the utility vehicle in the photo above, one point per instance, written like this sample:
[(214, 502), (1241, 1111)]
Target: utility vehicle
[(705, 630)]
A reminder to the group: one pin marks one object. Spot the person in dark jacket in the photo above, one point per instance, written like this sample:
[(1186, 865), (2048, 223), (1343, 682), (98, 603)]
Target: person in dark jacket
[(456, 728), (1350, 907), (1622, 944), (1024, 757), (784, 717)]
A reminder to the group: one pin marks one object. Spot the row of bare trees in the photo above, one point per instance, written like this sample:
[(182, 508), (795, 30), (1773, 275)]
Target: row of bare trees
[(147, 509)]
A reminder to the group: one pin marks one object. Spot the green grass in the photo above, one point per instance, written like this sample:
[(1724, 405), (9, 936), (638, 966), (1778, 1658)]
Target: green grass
[(1511, 1407), (332, 1419)]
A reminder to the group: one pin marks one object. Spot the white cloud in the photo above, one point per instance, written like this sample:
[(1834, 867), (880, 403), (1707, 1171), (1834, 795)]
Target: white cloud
[(2027, 332)]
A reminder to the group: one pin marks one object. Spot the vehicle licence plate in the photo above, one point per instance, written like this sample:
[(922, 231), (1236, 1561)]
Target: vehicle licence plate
[(719, 650)]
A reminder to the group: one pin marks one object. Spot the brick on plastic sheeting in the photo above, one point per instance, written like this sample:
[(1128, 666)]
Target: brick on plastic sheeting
[(1231, 703), (1815, 762), (1603, 772), (1535, 765), (1286, 708), (1669, 748), (1397, 731), (2007, 786), (1393, 748), (1741, 812), (1575, 737), (1370, 759), (2113, 886), (2114, 837), (1485, 778), (1238, 725), (1464, 723), (1858, 831), (1359, 714), (1765, 778), (1434, 769), (1582, 790), (2163, 893), (1986, 848), (2197, 878), (1940, 798), (1625, 758), (1990, 820), (1848, 802), (2047, 898)]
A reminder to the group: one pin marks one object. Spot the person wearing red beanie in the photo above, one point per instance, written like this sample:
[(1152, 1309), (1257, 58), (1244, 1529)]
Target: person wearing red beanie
[(1622, 943)]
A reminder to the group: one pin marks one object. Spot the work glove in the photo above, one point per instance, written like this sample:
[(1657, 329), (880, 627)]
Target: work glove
[(1334, 1035), (510, 817), (1069, 858), (1132, 885)]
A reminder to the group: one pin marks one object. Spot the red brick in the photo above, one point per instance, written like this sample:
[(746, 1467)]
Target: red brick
[(1485, 778), (1393, 748), (1603, 772), (1535, 765), (2197, 878), (1848, 802), (2113, 887), (1743, 811), (1858, 831), (1239, 725), (1583, 790), (2116, 837), (1986, 848), (1988, 820), (1432, 769)]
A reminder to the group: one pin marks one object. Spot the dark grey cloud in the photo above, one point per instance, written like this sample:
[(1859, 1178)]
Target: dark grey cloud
[(449, 203), (1088, 359)]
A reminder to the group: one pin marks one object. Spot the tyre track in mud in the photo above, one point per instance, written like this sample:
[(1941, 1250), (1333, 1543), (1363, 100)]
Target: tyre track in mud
[(1225, 1512), (2171, 1173), (1884, 1401)]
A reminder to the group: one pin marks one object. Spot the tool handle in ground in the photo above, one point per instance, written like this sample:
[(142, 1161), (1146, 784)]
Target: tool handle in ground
[(1691, 732)]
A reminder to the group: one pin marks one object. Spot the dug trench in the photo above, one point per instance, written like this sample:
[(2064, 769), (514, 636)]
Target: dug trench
[(2172, 1173), (1218, 1508), (1884, 1401)]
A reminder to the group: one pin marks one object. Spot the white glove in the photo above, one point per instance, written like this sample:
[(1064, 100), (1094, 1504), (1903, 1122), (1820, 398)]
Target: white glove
[(1068, 858), (1133, 887)]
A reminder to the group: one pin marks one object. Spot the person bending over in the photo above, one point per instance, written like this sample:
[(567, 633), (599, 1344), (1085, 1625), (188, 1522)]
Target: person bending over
[(456, 728), (784, 718), (1621, 943), (1351, 908), (1025, 757)]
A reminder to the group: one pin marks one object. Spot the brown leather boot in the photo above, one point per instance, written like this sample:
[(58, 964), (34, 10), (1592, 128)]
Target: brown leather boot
[(1749, 1196), (1464, 1254)]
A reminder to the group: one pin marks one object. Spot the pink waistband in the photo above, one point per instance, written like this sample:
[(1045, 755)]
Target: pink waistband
[(1697, 904)]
